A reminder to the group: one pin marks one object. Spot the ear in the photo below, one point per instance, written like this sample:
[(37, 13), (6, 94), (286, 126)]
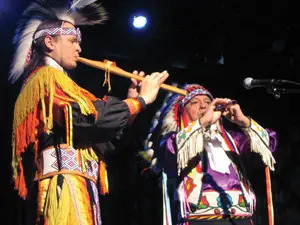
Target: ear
[(49, 42)]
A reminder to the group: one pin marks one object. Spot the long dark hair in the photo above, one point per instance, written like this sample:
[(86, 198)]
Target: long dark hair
[(39, 48)]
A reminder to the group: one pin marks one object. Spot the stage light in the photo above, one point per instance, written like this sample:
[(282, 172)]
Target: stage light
[(221, 59), (139, 22)]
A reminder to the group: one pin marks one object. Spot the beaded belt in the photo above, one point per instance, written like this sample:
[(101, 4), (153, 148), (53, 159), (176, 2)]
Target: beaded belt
[(69, 162)]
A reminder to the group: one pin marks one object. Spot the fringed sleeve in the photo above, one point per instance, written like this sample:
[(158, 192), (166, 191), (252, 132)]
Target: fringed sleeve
[(259, 140), (242, 141)]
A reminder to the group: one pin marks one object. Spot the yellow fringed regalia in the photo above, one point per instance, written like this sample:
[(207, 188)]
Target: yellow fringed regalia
[(46, 92)]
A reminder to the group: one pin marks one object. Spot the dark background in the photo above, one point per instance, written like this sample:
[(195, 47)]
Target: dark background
[(214, 43)]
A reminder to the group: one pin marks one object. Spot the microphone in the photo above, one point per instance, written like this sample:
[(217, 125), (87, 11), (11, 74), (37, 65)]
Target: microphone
[(252, 83)]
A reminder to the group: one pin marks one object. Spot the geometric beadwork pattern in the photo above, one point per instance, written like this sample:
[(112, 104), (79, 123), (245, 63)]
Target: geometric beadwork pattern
[(69, 161), (192, 94), (58, 31), (54, 165), (92, 169), (68, 158)]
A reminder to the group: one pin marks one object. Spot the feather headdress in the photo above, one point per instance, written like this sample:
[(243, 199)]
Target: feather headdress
[(168, 119), (77, 12)]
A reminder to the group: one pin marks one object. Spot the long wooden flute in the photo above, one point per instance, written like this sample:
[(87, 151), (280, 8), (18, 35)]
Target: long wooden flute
[(118, 71)]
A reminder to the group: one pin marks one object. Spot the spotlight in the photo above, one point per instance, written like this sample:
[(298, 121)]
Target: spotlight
[(139, 22)]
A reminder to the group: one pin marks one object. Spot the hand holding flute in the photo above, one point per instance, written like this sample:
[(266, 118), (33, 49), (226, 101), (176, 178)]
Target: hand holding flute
[(149, 86), (227, 108)]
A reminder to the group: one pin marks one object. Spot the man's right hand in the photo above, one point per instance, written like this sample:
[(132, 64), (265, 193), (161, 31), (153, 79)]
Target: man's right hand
[(212, 115)]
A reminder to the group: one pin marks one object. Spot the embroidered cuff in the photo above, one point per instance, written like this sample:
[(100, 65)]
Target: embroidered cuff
[(142, 101), (135, 105)]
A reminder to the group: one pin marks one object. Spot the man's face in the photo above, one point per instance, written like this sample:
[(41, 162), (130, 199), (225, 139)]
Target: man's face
[(196, 107), (66, 49)]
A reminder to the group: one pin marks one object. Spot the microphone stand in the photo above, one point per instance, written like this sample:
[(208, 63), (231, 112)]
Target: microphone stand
[(278, 91)]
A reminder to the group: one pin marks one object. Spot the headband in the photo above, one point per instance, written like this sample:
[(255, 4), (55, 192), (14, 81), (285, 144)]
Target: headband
[(193, 93), (58, 31)]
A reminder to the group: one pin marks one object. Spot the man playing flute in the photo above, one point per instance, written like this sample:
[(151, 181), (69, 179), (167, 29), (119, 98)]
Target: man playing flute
[(58, 125)]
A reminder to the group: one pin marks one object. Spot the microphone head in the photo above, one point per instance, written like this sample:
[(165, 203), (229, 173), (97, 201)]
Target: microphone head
[(247, 83)]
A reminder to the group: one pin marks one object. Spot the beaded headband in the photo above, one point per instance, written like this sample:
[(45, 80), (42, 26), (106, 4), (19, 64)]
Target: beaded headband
[(59, 31), (192, 94)]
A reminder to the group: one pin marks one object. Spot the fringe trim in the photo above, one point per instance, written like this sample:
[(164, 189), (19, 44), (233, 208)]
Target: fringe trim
[(189, 143), (89, 155), (40, 89), (103, 178), (59, 204), (259, 143), (69, 123)]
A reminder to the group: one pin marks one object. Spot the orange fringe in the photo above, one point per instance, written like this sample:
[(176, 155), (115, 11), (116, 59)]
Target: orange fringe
[(31, 119), (103, 177), (22, 140)]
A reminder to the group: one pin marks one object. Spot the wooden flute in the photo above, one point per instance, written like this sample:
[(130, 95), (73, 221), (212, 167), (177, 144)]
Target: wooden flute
[(118, 71)]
